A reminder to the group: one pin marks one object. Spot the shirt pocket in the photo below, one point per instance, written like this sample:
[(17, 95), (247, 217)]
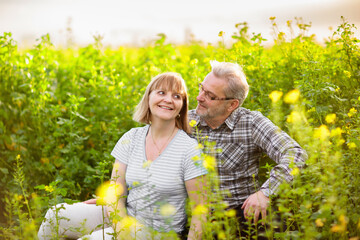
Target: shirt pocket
[(231, 156)]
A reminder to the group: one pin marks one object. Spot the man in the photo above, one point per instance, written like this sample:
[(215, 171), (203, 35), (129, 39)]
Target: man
[(243, 136)]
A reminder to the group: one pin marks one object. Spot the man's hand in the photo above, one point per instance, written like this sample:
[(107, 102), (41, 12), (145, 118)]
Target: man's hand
[(254, 205), (90, 201)]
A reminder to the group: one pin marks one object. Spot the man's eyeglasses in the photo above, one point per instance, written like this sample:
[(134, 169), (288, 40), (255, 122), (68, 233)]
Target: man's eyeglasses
[(211, 96)]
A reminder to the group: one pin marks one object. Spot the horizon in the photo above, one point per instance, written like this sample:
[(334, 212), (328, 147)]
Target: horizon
[(123, 23)]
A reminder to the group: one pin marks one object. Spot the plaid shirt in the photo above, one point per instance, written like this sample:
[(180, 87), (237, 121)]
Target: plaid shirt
[(243, 138)]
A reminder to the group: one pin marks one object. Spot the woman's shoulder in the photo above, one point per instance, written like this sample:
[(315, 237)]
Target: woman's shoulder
[(135, 132), (186, 139)]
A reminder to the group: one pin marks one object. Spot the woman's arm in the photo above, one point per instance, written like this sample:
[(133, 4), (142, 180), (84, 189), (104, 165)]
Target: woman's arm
[(196, 190)]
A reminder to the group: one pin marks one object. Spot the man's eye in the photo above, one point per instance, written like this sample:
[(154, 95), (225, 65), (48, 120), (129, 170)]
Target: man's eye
[(212, 97)]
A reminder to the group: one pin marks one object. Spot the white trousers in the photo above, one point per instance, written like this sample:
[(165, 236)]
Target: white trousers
[(74, 221), (85, 222)]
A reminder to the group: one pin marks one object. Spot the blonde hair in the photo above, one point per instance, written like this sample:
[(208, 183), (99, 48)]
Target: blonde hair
[(167, 81), (231, 72)]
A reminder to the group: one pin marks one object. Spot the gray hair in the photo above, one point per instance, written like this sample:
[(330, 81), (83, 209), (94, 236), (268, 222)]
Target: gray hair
[(231, 72)]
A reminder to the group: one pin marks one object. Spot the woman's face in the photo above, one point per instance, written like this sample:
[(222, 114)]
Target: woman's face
[(164, 104)]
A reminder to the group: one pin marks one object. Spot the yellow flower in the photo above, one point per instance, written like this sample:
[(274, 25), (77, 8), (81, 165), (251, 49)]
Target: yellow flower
[(209, 162), (275, 96), (200, 210), (196, 158), (340, 142), (347, 74), (351, 145), (294, 117), (295, 171), (311, 110), (336, 132), (146, 164), (337, 228), (272, 18), (194, 61), (111, 88), (230, 213), (352, 112), (317, 190), (342, 226), (49, 189), (44, 160), (192, 123), (330, 118), (34, 195), (343, 220), (116, 165), (128, 222), (221, 235), (18, 157), (221, 33), (319, 222), (281, 35), (19, 197), (292, 96), (251, 68), (88, 128), (200, 146), (322, 132), (108, 193), (167, 210), (126, 141)]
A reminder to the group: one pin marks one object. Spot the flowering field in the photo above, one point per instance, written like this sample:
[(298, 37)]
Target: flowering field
[(62, 111)]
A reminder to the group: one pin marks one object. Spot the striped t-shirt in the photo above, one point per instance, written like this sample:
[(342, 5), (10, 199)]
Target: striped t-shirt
[(156, 190)]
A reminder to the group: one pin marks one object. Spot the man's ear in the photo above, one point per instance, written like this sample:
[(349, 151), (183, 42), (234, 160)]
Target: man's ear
[(234, 104)]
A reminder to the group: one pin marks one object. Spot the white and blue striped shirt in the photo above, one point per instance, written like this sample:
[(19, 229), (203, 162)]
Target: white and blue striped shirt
[(152, 186)]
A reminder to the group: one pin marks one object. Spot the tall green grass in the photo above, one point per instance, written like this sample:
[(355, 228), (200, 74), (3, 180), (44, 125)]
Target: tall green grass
[(63, 109)]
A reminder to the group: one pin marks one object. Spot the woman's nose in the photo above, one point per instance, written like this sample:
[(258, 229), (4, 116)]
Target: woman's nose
[(168, 97)]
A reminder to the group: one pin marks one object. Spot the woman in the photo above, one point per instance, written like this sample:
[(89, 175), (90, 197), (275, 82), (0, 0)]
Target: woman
[(154, 171)]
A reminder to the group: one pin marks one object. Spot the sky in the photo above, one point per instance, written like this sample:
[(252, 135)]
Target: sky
[(136, 22)]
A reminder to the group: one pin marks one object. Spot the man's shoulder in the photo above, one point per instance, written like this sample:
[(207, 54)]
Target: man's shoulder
[(192, 115), (245, 116), (247, 113)]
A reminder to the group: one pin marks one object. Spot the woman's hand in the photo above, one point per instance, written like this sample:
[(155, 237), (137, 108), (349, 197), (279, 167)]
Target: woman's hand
[(90, 201)]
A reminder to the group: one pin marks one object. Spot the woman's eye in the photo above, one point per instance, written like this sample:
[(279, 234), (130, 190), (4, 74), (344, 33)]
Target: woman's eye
[(177, 96), (161, 92)]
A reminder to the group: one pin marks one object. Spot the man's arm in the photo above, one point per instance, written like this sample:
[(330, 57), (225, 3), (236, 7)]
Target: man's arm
[(281, 148)]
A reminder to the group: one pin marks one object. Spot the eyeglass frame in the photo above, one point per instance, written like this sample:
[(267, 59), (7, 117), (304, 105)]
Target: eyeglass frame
[(206, 93)]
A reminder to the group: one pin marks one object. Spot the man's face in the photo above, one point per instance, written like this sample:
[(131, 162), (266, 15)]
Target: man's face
[(212, 88)]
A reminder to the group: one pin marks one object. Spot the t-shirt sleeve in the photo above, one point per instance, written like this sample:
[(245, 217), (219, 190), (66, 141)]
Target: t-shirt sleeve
[(193, 164), (123, 147)]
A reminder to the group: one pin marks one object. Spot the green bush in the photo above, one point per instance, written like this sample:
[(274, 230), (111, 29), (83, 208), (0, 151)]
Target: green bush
[(63, 109)]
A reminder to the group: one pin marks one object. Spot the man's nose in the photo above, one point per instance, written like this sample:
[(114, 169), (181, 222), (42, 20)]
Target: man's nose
[(200, 97)]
